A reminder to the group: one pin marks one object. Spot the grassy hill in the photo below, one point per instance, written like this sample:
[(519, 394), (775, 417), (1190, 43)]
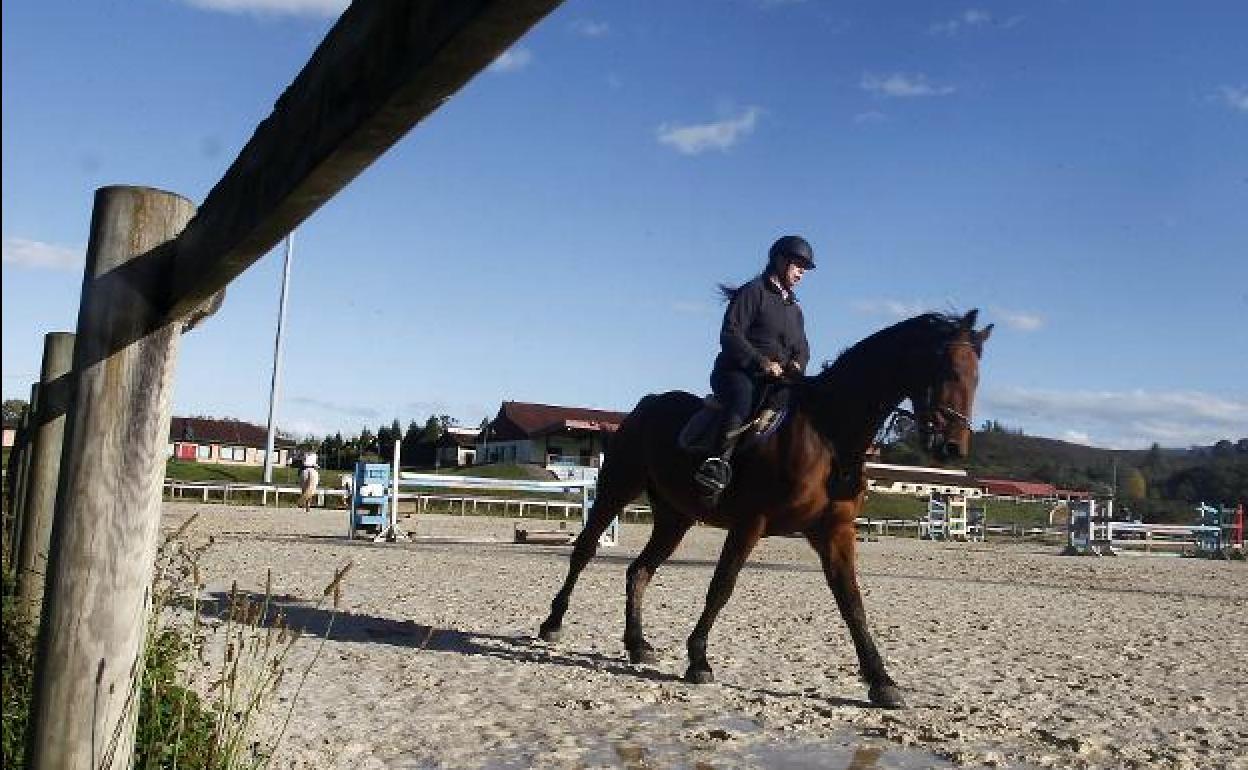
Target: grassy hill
[(1157, 484)]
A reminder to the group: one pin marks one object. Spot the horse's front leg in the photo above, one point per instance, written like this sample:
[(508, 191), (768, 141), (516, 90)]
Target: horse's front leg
[(737, 546), (834, 540), (669, 529)]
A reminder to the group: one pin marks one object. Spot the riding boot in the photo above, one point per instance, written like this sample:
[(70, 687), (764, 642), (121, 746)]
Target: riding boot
[(715, 472)]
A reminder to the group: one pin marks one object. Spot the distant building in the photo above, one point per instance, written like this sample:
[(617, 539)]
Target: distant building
[(456, 447), (1031, 490), (232, 442), (920, 481), (10, 433), (547, 435)]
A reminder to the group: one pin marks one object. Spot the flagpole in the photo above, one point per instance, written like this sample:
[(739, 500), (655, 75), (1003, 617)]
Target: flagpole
[(277, 360)]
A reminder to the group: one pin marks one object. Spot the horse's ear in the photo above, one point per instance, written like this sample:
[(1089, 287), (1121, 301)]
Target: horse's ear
[(968, 320), (982, 336)]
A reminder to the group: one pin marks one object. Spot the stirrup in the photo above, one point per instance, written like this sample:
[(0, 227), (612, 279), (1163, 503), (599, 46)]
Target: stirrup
[(713, 475)]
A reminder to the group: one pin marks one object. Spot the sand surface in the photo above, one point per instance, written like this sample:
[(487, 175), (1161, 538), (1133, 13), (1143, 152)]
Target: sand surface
[(1009, 656)]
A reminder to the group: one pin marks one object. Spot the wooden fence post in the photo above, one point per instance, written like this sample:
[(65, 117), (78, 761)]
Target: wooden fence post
[(18, 485), (104, 535), (47, 432)]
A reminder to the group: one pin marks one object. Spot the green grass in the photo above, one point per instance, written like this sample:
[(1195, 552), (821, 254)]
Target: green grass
[(183, 470), (999, 512), (511, 471), (17, 673)]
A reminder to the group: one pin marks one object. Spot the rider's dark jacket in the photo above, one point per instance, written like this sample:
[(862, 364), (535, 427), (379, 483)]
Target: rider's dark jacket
[(760, 325)]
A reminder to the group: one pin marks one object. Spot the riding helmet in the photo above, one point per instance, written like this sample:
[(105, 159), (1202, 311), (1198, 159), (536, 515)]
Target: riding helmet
[(793, 248)]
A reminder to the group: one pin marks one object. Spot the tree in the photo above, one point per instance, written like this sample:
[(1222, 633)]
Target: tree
[(433, 430), (1133, 485), (366, 443), (14, 408)]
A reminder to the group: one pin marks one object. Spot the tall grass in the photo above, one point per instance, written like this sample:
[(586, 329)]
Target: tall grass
[(204, 684)]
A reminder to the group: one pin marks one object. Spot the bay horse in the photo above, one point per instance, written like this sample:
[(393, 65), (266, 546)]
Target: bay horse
[(807, 477)]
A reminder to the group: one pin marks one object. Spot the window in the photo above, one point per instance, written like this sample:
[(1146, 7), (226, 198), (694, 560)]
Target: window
[(203, 451), (234, 453)]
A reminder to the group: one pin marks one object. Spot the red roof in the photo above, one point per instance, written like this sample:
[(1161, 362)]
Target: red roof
[(204, 430), (519, 420), (1018, 488)]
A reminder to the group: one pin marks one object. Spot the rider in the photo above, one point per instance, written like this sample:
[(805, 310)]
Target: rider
[(763, 338)]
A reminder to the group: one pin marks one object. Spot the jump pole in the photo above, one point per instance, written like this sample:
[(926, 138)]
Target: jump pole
[(393, 531)]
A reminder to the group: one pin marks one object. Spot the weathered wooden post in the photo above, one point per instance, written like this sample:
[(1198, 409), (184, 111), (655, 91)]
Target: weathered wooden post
[(106, 524), (47, 432), (18, 485)]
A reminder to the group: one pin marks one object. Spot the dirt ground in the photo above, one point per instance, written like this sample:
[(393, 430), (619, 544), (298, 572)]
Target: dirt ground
[(1009, 656)]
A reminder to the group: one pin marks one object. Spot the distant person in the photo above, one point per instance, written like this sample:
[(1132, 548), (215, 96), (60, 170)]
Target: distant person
[(763, 339), (309, 476)]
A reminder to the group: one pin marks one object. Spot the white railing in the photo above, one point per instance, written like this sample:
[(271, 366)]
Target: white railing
[(208, 491)]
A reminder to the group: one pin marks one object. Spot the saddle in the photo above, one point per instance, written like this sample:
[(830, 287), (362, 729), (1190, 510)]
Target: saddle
[(700, 433)]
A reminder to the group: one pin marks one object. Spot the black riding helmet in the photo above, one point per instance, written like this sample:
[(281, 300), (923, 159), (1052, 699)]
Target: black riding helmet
[(792, 248)]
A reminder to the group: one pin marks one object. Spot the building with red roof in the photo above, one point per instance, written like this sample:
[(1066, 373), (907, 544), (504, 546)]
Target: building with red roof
[(1031, 490), (207, 440), (546, 434)]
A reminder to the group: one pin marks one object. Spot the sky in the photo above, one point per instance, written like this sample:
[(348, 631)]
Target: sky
[(554, 233)]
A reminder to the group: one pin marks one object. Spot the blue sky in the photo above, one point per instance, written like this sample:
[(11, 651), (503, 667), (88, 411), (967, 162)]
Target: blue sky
[(554, 233)]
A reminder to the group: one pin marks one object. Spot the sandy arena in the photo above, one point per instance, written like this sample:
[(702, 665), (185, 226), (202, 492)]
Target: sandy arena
[(1009, 656)]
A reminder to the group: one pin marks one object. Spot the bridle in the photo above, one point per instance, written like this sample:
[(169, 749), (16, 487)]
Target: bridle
[(927, 421)]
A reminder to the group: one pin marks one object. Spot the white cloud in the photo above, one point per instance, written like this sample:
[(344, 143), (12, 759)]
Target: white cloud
[(1018, 319), (589, 28), (691, 307), (27, 253), (971, 18), (1122, 419), (325, 8), (302, 427), (1235, 97), (336, 408), (889, 307), (698, 138), (901, 85), (512, 60), (1077, 437)]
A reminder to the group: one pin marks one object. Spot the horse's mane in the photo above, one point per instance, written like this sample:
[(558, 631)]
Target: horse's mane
[(926, 329)]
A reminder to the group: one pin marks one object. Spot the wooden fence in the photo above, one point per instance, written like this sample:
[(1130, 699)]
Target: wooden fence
[(156, 266)]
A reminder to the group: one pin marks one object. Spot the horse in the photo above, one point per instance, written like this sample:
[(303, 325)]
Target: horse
[(309, 477), (807, 477)]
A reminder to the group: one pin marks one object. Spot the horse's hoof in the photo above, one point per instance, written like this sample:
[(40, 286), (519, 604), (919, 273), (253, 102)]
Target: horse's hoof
[(699, 676), (551, 635), (887, 696), (642, 655)]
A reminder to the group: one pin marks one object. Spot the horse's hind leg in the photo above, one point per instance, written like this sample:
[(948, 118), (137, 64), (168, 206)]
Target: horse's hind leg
[(669, 530), (737, 546), (835, 544)]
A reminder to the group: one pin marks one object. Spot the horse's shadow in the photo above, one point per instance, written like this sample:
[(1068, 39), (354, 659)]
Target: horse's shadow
[(341, 626), (356, 628)]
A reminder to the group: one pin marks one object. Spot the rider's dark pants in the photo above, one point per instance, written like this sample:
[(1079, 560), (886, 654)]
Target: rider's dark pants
[(735, 390)]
